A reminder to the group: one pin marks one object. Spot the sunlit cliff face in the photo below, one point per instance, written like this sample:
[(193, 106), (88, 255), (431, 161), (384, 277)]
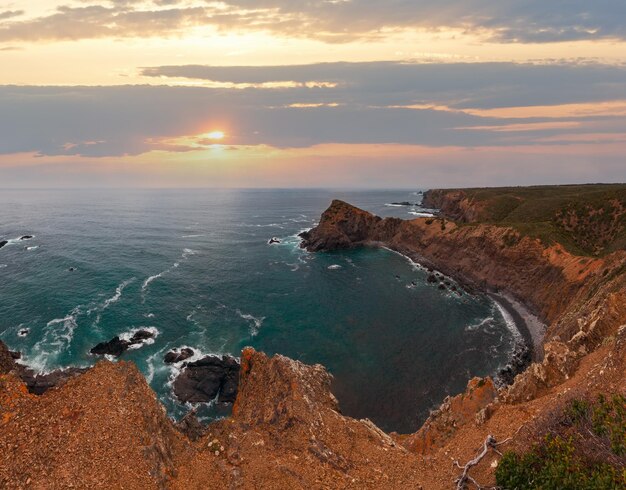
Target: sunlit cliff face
[(341, 93)]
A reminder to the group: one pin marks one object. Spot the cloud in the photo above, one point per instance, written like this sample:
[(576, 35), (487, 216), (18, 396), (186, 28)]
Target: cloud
[(530, 21), (373, 103)]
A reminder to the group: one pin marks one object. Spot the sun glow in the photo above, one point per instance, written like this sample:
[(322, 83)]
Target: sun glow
[(215, 135)]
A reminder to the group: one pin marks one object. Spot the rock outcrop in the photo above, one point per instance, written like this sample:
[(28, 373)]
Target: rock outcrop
[(208, 378), (117, 346), (178, 355), (36, 383)]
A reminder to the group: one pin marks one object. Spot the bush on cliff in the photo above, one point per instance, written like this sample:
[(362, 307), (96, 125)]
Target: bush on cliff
[(589, 453)]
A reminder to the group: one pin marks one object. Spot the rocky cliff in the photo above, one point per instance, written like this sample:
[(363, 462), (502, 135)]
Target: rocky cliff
[(106, 429)]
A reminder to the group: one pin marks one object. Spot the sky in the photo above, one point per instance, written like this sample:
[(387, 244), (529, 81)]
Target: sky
[(311, 93)]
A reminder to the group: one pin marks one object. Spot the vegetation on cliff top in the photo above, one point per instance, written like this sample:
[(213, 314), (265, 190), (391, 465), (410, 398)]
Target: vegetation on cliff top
[(585, 219), (586, 450)]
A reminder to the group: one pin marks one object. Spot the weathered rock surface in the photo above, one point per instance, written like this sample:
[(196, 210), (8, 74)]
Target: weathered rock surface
[(102, 429), (208, 378), (452, 414)]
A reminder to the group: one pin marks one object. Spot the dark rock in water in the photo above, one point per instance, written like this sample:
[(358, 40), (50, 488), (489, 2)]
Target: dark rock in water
[(141, 335), (174, 356), (211, 376), (273, 240), (36, 383), (431, 278), (3, 243), (453, 288), (228, 391), (26, 237), (114, 347), (71, 269), (23, 332), (522, 357), (442, 286), (404, 203), (15, 355)]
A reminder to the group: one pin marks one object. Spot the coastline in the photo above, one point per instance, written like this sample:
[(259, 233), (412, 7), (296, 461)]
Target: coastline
[(530, 326), (531, 330)]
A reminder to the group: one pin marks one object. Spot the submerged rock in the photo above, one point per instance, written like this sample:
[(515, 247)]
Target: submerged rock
[(117, 346), (26, 237), (273, 240), (175, 355), (203, 380)]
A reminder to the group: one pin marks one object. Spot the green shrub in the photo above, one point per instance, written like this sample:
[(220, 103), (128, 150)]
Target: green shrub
[(564, 463), (554, 466)]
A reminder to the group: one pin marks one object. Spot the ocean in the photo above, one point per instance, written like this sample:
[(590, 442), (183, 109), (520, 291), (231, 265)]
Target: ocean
[(195, 266)]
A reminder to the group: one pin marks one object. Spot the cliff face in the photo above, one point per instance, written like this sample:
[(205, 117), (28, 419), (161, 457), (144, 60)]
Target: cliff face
[(546, 278)]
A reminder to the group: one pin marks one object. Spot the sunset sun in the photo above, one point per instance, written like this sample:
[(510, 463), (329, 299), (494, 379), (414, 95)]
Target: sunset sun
[(215, 135)]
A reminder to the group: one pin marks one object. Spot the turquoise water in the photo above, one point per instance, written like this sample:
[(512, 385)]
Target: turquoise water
[(195, 265)]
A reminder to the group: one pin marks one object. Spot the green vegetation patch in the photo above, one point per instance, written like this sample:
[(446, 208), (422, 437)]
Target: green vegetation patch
[(588, 453), (585, 219)]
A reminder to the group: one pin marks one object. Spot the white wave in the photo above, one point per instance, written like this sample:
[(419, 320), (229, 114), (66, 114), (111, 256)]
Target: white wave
[(118, 294), (391, 205), (147, 282), (422, 214), (255, 323), (269, 225), (58, 334), (2, 266), (334, 267), (414, 265), (510, 323), (191, 236), (293, 267), (35, 247), (149, 315), (479, 325), (128, 335), (187, 252)]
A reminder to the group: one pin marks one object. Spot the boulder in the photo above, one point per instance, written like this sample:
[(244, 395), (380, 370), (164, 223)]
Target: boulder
[(179, 355), (116, 346), (203, 380)]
